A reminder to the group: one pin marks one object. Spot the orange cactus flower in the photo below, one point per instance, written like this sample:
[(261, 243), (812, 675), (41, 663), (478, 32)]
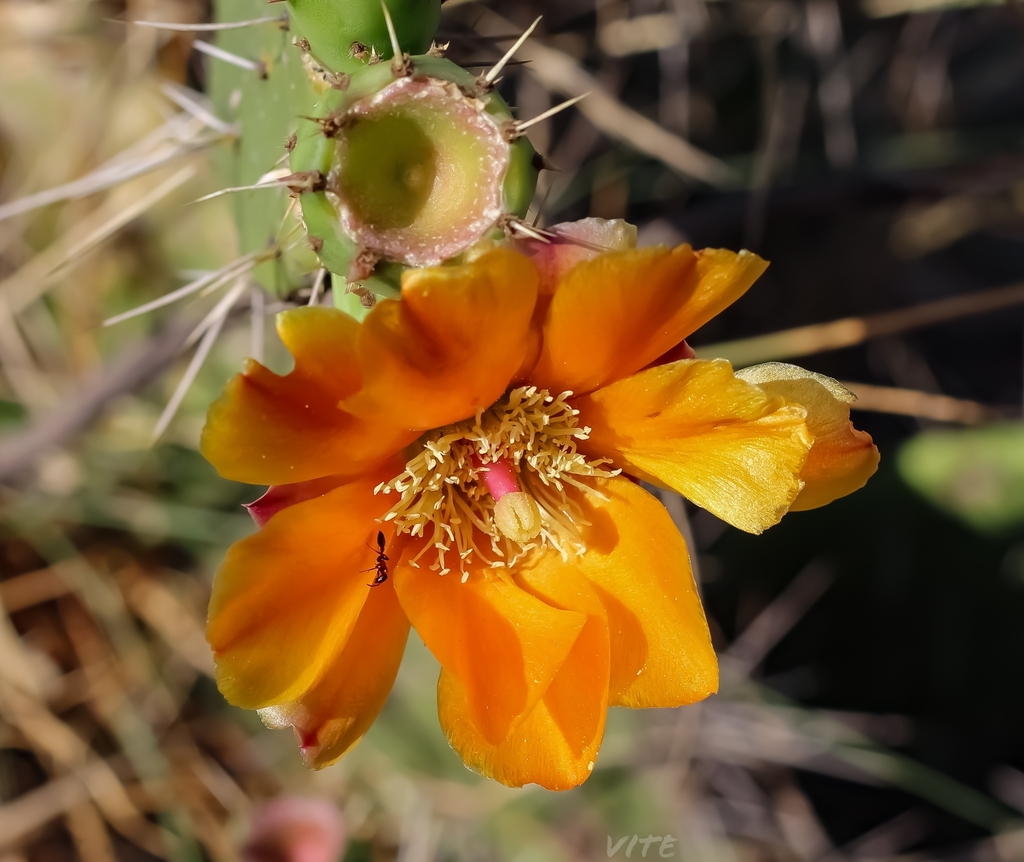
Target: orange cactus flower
[(486, 426)]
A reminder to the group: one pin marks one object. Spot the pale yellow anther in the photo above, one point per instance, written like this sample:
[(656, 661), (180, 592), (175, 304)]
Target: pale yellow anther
[(517, 515)]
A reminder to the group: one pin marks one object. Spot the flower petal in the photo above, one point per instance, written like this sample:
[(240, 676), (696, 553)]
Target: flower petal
[(556, 745), (616, 314), (337, 710), (639, 566), (286, 599), (272, 430), (501, 643), (660, 652), (692, 425), (842, 458), (535, 752), (572, 243), (451, 344), (723, 276)]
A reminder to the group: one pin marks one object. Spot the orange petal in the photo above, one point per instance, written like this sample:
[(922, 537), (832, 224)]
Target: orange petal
[(556, 744), (723, 276), (286, 599), (450, 346), (503, 645), (573, 243), (638, 564), (692, 425), (336, 711), (537, 751), (272, 430), (842, 458), (616, 314)]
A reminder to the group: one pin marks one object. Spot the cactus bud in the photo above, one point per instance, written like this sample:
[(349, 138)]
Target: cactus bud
[(419, 168), (332, 27)]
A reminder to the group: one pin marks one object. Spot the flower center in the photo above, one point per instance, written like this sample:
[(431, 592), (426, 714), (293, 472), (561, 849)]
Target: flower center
[(495, 486)]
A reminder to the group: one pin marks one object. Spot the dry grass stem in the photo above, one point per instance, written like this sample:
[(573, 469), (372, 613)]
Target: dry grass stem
[(921, 405), (178, 137), (850, 331), (125, 216), (209, 329), (561, 73)]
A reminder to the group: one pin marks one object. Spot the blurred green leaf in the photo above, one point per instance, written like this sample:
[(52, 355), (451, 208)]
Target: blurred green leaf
[(976, 475), (11, 414)]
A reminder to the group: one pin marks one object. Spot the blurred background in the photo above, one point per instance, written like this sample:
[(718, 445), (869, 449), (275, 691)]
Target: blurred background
[(872, 651)]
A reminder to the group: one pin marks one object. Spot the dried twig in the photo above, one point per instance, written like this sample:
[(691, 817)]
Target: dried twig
[(33, 810), (137, 365), (819, 337), (560, 72), (132, 162), (776, 620), (921, 405)]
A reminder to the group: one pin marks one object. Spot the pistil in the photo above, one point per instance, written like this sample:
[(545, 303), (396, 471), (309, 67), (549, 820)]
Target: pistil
[(516, 513)]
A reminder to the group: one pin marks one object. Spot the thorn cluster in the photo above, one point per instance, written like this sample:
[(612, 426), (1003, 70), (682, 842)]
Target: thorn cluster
[(333, 124), (363, 264), (304, 181)]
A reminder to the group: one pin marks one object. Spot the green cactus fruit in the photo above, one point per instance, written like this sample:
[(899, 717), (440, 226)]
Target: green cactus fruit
[(419, 160), (398, 163), (332, 27)]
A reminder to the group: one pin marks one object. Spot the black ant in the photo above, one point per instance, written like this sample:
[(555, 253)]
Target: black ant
[(381, 567)]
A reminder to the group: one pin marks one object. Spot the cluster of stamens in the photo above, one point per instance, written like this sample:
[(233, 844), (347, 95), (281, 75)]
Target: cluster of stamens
[(456, 491)]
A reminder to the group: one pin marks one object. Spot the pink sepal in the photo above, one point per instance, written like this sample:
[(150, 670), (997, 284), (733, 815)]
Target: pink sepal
[(575, 242), (681, 351), (280, 497)]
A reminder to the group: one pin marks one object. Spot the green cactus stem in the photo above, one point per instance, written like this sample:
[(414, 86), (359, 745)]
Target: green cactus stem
[(333, 27), (265, 110)]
